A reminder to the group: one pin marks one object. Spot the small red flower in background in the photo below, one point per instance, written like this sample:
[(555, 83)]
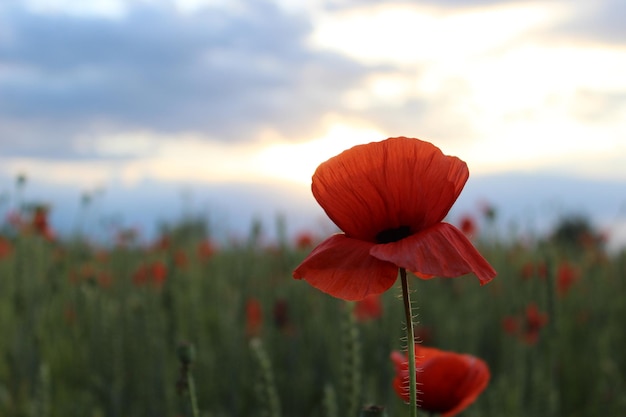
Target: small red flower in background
[(206, 249), (127, 237), (154, 273), (15, 220), (447, 382), (535, 321), (527, 327), (534, 269), (141, 276), (158, 273), (254, 318), (5, 248), (282, 318), (369, 308), (468, 226), (566, 276), (162, 243), (40, 223), (389, 198), (511, 325), (104, 279), (304, 240), (180, 259), (69, 314)]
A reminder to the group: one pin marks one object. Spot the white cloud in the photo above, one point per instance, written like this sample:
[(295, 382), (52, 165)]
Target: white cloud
[(405, 35)]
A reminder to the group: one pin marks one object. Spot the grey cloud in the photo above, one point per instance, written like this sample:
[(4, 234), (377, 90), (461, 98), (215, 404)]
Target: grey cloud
[(604, 23), (443, 4), (214, 72)]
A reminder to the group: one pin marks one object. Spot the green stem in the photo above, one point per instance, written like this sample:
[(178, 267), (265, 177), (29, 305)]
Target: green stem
[(193, 401), (185, 385), (410, 342)]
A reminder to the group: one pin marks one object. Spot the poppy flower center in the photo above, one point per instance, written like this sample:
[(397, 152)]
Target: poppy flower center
[(393, 235)]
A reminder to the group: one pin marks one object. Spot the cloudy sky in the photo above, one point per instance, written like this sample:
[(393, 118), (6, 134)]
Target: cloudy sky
[(224, 99)]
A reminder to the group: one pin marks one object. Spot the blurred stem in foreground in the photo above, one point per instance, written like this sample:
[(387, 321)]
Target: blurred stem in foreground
[(373, 411), (351, 364), (185, 384), (266, 388)]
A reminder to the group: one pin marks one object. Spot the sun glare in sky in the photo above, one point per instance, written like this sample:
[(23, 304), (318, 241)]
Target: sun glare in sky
[(297, 161), (405, 35)]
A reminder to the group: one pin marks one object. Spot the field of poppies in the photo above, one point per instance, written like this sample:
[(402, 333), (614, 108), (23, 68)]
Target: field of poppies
[(184, 326)]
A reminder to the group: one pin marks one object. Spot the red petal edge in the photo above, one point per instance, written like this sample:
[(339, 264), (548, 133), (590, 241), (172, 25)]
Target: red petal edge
[(441, 250), (343, 268)]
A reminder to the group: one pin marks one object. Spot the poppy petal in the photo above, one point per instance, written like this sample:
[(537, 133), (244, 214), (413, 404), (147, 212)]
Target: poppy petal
[(398, 182), (441, 250), (472, 385), (343, 268), (448, 381), (451, 382)]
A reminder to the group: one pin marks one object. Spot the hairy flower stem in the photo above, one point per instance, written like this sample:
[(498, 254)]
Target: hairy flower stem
[(410, 338)]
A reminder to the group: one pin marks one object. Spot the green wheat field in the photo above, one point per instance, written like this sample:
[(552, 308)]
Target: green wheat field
[(99, 331)]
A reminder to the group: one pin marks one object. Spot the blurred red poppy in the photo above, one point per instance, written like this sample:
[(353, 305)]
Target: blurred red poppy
[(162, 243), (5, 248), (511, 325), (304, 240), (154, 273), (40, 222), (180, 259), (535, 320), (534, 269), (527, 326), (369, 308), (158, 272), (448, 382), (389, 198), (254, 317), (468, 226), (566, 276), (206, 249)]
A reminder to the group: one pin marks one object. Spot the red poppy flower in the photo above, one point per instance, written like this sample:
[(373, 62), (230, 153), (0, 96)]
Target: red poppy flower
[(158, 272), (254, 317), (5, 248), (448, 382), (530, 269), (369, 308), (468, 226), (534, 322), (526, 326), (40, 222), (566, 276), (206, 249), (510, 324), (154, 273), (304, 240), (389, 198)]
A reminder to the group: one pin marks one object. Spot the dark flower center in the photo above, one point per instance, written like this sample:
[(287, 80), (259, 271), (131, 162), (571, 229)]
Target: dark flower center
[(393, 235)]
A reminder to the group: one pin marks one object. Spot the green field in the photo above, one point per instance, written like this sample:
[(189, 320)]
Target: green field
[(91, 331)]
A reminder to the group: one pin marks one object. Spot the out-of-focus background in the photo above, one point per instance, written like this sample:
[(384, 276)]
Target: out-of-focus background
[(121, 114)]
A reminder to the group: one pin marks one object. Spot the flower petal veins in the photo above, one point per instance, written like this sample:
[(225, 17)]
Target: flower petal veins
[(344, 268)]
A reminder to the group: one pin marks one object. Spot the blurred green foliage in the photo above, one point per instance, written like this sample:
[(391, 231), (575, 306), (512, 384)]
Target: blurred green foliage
[(88, 331)]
